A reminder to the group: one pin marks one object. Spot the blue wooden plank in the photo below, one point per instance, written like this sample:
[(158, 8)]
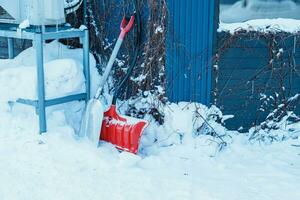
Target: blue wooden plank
[(182, 31), (170, 45), (245, 53), (256, 52), (200, 42), (177, 43), (187, 75), (243, 59), (173, 50), (198, 60), (244, 41), (212, 29), (250, 63), (194, 47), (204, 30)]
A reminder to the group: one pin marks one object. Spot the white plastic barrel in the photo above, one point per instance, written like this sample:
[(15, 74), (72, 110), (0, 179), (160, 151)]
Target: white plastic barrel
[(38, 12)]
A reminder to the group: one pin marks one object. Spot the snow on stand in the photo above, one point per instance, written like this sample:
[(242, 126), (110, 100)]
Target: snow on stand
[(177, 160)]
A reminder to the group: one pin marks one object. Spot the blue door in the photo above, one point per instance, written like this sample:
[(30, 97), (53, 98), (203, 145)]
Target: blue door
[(189, 50)]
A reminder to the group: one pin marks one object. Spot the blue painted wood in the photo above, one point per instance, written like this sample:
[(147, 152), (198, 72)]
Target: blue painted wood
[(212, 26), (204, 37), (189, 50), (240, 62)]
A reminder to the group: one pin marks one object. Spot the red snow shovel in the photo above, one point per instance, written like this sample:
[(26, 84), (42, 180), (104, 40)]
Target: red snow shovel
[(93, 116), (122, 131)]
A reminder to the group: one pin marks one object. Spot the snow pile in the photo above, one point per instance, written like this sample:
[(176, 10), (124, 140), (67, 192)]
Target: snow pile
[(179, 160), (285, 132), (62, 77), (58, 165), (184, 123), (276, 131), (63, 73), (262, 25)]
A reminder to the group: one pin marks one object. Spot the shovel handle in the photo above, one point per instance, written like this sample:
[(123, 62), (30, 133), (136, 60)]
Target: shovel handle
[(126, 26)]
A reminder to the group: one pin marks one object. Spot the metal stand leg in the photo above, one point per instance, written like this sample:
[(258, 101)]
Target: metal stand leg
[(41, 84), (10, 45), (86, 63)]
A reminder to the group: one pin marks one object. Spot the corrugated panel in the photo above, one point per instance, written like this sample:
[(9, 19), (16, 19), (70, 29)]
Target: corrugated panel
[(189, 50)]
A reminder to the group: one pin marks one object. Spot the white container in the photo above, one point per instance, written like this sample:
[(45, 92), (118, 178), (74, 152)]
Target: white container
[(38, 12)]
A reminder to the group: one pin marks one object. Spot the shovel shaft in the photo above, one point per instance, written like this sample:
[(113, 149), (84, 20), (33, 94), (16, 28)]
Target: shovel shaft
[(125, 28), (109, 66)]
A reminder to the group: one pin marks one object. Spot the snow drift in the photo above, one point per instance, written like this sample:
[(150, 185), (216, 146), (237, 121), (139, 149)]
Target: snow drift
[(178, 160), (63, 77)]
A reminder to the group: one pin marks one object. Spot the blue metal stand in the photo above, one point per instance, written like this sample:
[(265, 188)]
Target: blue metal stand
[(39, 35), (38, 39), (10, 46)]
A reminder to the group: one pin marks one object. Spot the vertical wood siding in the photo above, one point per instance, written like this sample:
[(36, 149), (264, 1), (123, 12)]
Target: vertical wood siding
[(189, 50)]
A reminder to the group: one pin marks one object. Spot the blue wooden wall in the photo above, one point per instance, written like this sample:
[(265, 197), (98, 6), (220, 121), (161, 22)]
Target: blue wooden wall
[(244, 74), (189, 50)]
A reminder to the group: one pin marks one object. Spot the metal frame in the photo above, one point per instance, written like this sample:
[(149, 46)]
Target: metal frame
[(39, 35)]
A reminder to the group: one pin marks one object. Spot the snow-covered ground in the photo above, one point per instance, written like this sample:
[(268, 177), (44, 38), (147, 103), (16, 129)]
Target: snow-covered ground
[(177, 165)]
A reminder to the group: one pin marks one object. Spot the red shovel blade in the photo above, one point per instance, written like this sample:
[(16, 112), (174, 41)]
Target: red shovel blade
[(123, 132)]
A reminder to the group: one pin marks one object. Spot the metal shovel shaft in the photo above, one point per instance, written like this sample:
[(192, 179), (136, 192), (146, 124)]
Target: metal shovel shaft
[(109, 66), (91, 122), (125, 28)]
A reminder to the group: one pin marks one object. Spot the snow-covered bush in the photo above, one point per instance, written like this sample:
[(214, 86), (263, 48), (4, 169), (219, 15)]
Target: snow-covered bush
[(183, 123), (281, 124)]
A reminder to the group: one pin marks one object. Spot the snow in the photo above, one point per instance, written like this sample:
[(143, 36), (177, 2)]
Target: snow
[(159, 29), (262, 25), (174, 162), (24, 24), (62, 65), (82, 27), (260, 16), (71, 3), (63, 77), (242, 10)]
